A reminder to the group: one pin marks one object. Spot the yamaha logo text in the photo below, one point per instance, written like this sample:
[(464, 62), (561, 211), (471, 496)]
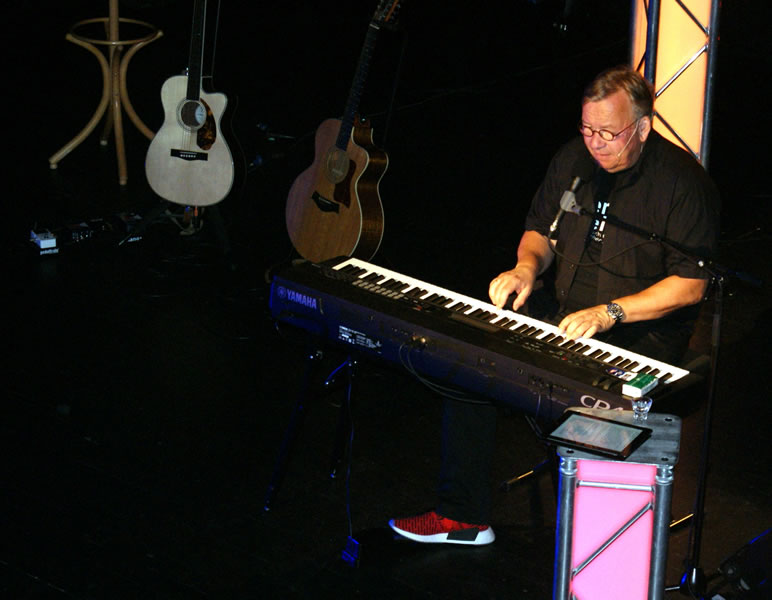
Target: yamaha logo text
[(295, 297)]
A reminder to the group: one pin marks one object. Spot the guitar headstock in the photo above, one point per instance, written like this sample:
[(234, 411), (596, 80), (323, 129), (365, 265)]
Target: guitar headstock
[(386, 13)]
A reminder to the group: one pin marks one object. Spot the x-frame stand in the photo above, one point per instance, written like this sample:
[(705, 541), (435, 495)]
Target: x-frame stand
[(307, 395)]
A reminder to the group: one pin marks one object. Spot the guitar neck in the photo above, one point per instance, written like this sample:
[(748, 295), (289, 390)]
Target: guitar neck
[(357, 85), (196, 55)]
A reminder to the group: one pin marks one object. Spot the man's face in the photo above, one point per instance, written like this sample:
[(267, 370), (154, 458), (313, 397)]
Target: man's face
[(615, 114)]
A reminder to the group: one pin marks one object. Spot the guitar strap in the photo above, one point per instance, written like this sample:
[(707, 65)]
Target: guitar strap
[(394, 86), (210, 48)]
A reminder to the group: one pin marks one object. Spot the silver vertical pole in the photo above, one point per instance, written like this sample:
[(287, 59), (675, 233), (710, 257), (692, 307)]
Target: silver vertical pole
[(663, 493), (652, 41), (566, 492), (707, 114)]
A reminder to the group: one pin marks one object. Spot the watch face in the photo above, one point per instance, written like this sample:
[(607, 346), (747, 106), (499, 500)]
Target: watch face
[(615, 311)]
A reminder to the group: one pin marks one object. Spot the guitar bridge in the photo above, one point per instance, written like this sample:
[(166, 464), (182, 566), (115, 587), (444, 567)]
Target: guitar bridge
[(189, 154), (324, 204)]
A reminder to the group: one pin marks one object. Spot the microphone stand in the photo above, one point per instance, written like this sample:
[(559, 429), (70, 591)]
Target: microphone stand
[(693, 582)]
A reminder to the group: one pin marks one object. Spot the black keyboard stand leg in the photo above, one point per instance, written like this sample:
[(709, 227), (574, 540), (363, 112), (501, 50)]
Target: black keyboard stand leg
[(305, 396), (549, 463), (291, 433), (538, 469), (344, 429)]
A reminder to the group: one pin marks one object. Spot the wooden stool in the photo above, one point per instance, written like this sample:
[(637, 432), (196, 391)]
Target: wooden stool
[(114, 92)]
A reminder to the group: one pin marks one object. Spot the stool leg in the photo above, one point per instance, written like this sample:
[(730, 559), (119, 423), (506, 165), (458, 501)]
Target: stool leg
[(144, 129), (101, 108), (117, 119)]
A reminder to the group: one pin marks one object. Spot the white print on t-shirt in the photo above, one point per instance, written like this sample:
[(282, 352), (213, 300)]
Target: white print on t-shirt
[(599, 225)]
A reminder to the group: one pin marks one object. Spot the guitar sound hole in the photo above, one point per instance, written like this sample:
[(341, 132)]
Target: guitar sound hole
[(192, 114), (337, 165)]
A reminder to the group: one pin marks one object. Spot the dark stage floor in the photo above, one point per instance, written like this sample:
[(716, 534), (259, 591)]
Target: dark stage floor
[(148, 389)]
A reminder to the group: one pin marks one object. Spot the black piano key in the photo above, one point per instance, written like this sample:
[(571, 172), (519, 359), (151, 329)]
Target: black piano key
[(604, 355), (624, 364), (616, 360), (596, 354), (550, 337), (607, 383), (665, 377), (347, 271), (522, 328), (476, 313), (416, 292)]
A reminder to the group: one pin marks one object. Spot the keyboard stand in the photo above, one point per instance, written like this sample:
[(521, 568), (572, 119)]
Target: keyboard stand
[(307, 395)]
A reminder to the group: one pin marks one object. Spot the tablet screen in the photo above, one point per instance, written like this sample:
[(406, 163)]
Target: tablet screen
[(594, 434)]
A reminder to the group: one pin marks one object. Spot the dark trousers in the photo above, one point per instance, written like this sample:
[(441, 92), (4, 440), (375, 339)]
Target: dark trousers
[(468, 442)]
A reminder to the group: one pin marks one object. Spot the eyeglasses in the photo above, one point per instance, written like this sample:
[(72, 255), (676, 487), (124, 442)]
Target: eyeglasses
[(605, 134)]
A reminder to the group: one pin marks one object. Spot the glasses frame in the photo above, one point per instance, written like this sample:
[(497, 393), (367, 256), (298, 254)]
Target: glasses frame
[(604, 134)]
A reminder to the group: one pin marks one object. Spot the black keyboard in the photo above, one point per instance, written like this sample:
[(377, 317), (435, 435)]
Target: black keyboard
[(459, 343)]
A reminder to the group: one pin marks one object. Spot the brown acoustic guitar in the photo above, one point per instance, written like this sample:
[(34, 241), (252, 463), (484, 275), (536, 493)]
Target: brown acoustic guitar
[(334, 206)]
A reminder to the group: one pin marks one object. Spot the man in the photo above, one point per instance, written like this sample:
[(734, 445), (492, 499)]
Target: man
[(610, 282)]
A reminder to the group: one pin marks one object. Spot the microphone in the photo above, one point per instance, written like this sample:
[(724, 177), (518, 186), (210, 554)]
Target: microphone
[(632, 135), (567, 204)]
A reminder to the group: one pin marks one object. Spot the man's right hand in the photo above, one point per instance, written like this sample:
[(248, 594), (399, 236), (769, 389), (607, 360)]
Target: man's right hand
[(534, 255), (519, 280)]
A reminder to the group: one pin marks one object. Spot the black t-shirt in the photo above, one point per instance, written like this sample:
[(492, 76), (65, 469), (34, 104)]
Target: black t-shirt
[(583, 290)]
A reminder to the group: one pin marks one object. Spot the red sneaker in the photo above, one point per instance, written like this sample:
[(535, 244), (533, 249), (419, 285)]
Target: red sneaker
[(435, 529)]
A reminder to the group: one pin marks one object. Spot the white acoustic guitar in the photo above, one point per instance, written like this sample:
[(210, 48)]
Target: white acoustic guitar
[(188, 161)]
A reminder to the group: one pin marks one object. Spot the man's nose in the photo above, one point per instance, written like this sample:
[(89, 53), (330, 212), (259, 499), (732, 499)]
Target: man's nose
[(596, 141)]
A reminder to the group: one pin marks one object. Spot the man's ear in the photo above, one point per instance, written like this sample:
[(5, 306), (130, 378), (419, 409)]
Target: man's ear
[(644, 128)]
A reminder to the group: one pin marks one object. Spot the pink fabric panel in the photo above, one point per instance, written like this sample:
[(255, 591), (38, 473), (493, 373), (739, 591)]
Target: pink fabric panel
[(622, 570)]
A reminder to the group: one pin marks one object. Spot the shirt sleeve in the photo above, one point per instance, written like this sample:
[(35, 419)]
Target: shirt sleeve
[(693, 224), (546, 200)]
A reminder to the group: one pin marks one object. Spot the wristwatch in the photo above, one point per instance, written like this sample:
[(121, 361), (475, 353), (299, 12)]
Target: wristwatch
[(615, 312)]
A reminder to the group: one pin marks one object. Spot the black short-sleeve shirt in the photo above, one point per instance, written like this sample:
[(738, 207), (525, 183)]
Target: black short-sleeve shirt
[(665, 193)]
